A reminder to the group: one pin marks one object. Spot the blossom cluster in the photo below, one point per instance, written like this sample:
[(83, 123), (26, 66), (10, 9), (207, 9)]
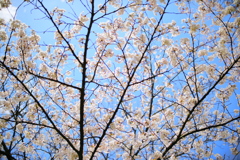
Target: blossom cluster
[(121, 79)]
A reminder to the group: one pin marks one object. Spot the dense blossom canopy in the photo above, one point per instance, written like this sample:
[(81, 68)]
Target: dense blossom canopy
[(118, 79)]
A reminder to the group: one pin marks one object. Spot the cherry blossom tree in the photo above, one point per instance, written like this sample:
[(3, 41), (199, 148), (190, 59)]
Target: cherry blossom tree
[(118, 79)]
